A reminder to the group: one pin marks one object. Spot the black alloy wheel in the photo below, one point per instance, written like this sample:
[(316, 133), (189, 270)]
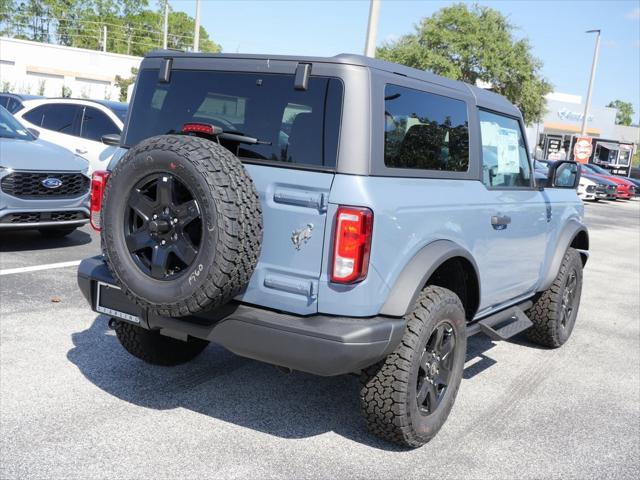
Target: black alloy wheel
[(163, 226), (434, 373), (568, 299)]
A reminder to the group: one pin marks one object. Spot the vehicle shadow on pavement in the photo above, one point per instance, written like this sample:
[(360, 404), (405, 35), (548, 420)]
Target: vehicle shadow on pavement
[(234, 389), (27, 240)]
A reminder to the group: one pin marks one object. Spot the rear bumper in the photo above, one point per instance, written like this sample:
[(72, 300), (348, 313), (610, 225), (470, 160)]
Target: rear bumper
[(319, 344)]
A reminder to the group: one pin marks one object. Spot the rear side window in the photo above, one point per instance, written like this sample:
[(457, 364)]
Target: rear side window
[(295, 126), (504, 157), (95, 124), (59, 118), (425, 131)]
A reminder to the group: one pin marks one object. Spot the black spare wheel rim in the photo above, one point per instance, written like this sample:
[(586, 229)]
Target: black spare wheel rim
[(435, 369), (163, 226)]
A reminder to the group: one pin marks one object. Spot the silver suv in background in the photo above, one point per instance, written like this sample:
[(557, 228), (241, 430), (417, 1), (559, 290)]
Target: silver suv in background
[(42, 186)]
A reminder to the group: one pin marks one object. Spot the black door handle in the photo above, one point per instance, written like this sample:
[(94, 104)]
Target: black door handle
[(500, 222)]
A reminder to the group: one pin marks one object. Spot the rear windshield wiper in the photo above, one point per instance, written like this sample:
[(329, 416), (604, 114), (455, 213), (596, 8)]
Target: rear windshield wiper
[(238, 137)]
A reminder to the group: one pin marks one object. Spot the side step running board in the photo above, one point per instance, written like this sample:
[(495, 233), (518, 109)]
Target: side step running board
[(504, 324)]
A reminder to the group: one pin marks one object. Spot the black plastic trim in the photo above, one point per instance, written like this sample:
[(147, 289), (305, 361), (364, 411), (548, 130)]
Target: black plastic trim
[(320, 344)]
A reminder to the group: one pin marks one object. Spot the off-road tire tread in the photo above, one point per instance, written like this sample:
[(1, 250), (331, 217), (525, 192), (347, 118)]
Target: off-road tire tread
[(385, 385), (545, 310), (154, 348), (239, 214)]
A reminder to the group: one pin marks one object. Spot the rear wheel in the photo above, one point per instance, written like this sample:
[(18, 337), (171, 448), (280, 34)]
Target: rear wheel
[(407, 397), (151, 347), (554, 312)]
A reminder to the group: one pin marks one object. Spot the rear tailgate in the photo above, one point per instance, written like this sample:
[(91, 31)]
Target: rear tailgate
[(294, 207), (291, 163)]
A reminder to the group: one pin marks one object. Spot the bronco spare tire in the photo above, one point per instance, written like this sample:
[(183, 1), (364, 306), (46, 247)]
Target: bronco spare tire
[(182, 225)]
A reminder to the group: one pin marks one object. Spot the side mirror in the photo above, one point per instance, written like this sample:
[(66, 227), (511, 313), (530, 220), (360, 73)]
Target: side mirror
[(564, 174), (34, 132), (111, 139)]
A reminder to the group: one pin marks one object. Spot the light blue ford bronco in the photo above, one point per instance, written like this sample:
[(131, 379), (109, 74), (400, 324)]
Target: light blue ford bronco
[(331, 215)]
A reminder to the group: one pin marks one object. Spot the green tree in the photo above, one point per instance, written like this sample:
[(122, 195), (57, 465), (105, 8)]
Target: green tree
[(132, 27), (475, 43), (123, 84), (625, 112)]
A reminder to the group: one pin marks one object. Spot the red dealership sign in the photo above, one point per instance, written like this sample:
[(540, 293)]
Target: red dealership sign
[(582, 149)]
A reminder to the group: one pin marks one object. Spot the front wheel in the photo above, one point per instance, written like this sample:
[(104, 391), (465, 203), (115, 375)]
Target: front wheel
[(407, 397), (554, 312)]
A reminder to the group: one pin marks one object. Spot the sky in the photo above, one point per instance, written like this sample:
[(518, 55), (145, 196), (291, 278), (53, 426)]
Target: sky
[(555, 29)]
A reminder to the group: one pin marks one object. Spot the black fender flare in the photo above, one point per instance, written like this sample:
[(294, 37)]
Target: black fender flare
[(570, 231), (417, 271)]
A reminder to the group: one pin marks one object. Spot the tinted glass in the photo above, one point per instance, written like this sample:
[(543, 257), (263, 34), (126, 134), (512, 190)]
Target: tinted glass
[(95, 124), (10, 128), (296, 126), (14, 105), (504, 156), (59, 118), (425, 131), (4, 101)]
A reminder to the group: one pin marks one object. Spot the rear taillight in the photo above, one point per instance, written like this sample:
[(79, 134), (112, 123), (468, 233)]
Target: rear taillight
[(351, 244), (98, 182)]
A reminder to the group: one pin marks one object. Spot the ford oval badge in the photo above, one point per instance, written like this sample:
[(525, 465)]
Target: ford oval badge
[(51, 182)]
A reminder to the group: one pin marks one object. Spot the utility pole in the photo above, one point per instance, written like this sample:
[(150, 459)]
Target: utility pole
[(372, 29), (104, 38), (165, 31), (196, 33), (587, 105)]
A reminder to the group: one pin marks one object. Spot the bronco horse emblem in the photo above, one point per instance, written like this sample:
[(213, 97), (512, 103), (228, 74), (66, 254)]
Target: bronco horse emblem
[(302, 236)]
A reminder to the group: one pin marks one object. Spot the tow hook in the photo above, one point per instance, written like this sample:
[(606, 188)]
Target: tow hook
[(113, 323)]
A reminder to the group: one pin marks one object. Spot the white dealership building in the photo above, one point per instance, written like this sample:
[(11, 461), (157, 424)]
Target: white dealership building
[(44, 69)]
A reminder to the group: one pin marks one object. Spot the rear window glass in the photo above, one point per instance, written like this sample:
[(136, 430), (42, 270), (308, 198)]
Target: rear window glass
[(425, 131), (299, 126)]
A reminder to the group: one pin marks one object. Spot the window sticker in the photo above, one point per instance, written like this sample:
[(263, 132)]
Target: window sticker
[(508, 156)]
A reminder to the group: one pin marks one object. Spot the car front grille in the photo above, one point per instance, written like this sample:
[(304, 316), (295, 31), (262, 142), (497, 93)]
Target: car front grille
[(35, 217), (30, 185)]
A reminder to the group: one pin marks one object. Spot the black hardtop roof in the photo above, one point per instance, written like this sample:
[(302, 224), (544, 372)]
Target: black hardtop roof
[(484, 98)]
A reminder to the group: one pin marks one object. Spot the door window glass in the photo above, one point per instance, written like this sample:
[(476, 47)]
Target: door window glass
[(504, 157), (95, 124), (425, 131), (59, 118)]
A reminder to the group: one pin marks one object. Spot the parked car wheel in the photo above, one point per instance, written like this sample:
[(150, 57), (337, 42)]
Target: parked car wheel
[(57, 232), (182, 226), (554, 312), (407, 397), (152, 347)]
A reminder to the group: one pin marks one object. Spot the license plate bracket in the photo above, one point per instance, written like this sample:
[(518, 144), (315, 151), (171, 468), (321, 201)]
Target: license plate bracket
[(111, 301)]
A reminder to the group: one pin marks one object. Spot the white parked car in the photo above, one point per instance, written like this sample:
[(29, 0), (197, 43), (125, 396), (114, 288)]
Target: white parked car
[(78, 125), (587, 189)]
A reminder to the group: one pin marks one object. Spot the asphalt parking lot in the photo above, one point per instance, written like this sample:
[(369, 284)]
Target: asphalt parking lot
[(73, 404)]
